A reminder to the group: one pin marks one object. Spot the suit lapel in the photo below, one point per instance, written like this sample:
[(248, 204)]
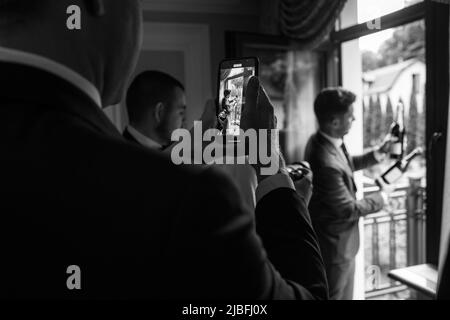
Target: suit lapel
[(339, 156), (348, 159)]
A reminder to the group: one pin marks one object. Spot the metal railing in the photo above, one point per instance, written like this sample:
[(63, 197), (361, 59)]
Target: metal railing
[(394, 238)]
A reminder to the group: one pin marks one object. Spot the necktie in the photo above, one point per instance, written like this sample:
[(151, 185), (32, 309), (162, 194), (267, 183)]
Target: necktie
[(347, 156)]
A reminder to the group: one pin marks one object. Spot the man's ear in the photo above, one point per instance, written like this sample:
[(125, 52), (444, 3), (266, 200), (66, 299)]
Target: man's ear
[(159, 112), (96, 7), (335, 123)]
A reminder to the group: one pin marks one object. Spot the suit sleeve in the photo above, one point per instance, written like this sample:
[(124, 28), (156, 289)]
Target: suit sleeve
[(284, 225), (335, 192), (364, 161), (215, 252)]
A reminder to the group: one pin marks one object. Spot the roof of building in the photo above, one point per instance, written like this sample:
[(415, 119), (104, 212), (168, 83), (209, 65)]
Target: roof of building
[(383, 79)]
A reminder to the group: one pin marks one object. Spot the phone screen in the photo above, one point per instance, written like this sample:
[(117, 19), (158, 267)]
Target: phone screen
[(233, 80)]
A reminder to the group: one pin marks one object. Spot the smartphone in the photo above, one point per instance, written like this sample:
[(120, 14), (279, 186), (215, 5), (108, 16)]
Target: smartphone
[(234, 75)]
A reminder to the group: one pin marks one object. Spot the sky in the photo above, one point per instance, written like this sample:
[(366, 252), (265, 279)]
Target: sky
[(371, 9)]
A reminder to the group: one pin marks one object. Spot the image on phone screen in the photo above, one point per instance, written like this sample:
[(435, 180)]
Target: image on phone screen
[(233, 80)]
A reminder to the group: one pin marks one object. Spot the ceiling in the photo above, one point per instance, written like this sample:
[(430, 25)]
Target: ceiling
[(246, 7)]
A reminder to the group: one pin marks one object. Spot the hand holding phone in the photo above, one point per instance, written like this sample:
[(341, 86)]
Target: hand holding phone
[(234, 76)]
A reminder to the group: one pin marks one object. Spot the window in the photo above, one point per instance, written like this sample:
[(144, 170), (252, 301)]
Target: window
[(372, 9), (400, 60)]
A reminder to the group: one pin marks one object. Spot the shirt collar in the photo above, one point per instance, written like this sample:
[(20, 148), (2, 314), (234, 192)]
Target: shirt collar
[(337, 142), (143, 140), (46, 64)]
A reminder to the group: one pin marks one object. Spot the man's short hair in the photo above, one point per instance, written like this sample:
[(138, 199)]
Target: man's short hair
[(332, 102), (148, 89), (226, 92)]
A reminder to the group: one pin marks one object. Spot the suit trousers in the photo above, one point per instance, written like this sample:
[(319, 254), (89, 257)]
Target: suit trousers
[(341, 280)]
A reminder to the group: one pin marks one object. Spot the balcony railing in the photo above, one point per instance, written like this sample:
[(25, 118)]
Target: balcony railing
[(394, 238)]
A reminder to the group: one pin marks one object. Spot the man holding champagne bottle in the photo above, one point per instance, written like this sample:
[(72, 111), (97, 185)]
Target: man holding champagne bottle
[(334, 209)]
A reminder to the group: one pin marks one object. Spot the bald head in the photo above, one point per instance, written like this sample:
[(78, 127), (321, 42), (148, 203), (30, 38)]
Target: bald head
[(104, 50)]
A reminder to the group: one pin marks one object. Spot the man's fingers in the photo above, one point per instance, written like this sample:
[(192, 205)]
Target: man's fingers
[(251, 99), (305, 164), (258, 112), (265, 109)]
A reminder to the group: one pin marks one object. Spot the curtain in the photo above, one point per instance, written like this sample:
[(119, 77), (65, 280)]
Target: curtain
[(307, 22), (302, 86)]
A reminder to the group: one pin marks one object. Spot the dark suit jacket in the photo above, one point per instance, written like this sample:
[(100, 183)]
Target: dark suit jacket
[(75, 192), (334, 209)]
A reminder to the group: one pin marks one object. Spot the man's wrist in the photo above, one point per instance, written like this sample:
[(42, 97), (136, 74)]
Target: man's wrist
[(379, 154), (265, 171), (273, 182)]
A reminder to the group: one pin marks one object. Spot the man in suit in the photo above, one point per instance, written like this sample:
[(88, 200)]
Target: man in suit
[(86, 214), (156, 105), (335, 212)]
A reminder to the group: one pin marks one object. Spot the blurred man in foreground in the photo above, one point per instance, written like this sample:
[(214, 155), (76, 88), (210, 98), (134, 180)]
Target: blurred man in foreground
[(76, 193)]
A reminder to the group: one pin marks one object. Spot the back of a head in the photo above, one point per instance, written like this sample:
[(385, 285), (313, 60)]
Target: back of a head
[(332, 102), (63, 32), (148, 89)]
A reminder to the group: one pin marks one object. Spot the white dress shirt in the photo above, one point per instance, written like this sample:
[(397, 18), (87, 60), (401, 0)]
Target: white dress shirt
[(53, 67), (336, 142)]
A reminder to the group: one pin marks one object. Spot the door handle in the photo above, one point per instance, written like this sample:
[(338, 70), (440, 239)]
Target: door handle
[(437, 136)]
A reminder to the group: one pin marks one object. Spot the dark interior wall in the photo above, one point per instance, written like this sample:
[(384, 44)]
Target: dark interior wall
[(217, 23)]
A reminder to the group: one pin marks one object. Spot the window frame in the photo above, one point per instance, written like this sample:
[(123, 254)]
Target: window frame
[(435, 14)]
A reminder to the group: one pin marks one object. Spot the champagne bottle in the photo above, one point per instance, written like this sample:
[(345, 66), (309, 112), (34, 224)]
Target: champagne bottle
[(397, 170), (398, 132)]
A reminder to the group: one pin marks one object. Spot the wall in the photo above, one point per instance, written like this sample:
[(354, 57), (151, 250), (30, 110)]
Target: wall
[(217, 23), (235, 17), (302, 88)]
